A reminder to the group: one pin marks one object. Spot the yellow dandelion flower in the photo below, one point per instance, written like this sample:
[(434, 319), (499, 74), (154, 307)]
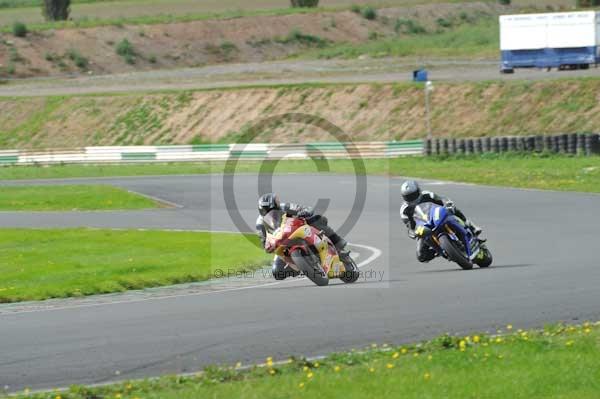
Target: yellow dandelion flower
[(118, 396), (58, 397), (310, 375), (389, 366), (476, 339), (271, 371), (509, 327), (395, 355), (337, 369), (569, 343), (269, 361), (426, 376), (316, 365), (499, 340), (305, 368), (429, 357), (587, 330), (26, 391), (301, 385), (462, 345), (238, 365), (372, 369), (416, 354), (129, 386), (403, 351)]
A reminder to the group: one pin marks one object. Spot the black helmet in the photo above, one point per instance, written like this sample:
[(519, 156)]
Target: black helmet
[(268, 202), (411, 192)]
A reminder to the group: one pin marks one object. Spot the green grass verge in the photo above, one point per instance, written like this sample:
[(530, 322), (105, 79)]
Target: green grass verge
[(541, 171), (54, 263), (479, 39), (70, 197), (90, 22), (557, 362)]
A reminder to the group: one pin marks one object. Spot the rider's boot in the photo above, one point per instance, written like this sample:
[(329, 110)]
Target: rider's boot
[(476, 229), (340, 245)]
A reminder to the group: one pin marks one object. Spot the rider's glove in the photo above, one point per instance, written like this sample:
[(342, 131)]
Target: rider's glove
[(304, 214)]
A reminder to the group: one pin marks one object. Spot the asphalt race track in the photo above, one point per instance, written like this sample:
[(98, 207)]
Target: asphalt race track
[(546, 269)]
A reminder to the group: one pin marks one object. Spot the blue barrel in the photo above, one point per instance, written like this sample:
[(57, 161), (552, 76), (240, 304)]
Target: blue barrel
[(420, 75)]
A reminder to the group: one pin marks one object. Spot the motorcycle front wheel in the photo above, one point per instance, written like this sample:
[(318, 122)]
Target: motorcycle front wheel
[(485, 259), (351, 274), (454, 254), (310, 268)]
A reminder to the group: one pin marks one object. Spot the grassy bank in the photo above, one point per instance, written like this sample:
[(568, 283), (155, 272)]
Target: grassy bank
[(476, 40), (557, 362), (367, 112), (54, 263), (70, 197), (541, 171)]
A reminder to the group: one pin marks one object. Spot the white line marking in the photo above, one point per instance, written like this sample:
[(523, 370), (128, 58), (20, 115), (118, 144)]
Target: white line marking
[(376, 253), (157, 199)]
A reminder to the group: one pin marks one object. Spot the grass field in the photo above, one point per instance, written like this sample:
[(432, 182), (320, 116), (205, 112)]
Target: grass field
[(87, 13), (541, 171), (54, 263), (70, 197), (557, 362)]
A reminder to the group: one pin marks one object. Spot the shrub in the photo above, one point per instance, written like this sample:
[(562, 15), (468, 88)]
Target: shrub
[(19, 29), (588, 3), (304, 3), (369, 13), (56, 10), (504, 2), (296, 36), (355, 8), (408, 26), (444, 23), (80, 61), (125, 50)]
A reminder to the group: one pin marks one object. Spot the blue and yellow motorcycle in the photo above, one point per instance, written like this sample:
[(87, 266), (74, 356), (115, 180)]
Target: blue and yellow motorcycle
[(447, 234)]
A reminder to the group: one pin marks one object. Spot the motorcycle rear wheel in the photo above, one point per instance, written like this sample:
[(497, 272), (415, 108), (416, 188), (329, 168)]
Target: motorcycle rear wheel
[(306, 264), (454, 253)]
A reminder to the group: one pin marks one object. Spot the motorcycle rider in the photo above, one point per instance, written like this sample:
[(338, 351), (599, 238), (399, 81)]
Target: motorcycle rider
[(269, 202), (413, 196)]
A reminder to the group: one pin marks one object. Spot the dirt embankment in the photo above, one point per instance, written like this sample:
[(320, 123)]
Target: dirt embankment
[(197, 43), (365, 112)]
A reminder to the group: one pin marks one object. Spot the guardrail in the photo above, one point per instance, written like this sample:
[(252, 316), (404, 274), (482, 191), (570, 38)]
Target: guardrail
[(210, 152), (576, 143)]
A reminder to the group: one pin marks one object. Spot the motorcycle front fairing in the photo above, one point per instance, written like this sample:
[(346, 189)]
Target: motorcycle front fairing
[(434, 219)]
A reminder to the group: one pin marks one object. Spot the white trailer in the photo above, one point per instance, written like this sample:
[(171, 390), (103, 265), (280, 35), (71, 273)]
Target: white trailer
[(564, 40)]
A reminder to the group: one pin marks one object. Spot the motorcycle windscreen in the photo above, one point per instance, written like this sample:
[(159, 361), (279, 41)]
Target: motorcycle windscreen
[(272, 220), (422, 212)]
